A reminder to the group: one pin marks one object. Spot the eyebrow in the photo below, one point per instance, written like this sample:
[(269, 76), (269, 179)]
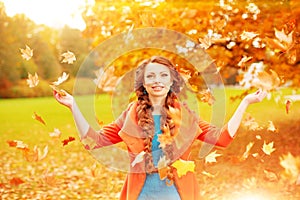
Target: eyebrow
[(151, 72)]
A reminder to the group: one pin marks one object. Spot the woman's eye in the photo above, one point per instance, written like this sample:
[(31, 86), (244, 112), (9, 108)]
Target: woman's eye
[(165, 75), (150, 76)]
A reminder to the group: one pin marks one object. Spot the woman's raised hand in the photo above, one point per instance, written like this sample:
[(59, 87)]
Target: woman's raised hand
[(258, 96), (64, 98)]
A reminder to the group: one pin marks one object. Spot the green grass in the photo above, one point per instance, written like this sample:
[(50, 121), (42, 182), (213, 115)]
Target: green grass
[(70, 163)]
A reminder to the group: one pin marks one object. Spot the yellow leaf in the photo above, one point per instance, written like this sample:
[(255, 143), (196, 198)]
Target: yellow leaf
[(32, 81), (69, 57), (27, 53), (184, 166), (291, 166), (246, 153), (210, 158), (268, 148), (267, 81), (271, 127)]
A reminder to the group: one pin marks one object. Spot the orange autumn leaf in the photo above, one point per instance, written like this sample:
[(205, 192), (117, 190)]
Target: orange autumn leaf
[(244, 60), (59, 91), (67, 141), (27, 53), (15, 181), (38, 118), (35, 154), (32, 81), (49, 178), (206, 96), (266, 81), (288, 104), (162, 167), (18, 144)]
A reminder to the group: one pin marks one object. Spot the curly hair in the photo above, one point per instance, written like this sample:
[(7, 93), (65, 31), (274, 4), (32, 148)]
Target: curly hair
[(144, 111)]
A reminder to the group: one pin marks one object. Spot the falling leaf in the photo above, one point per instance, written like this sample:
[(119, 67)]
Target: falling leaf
[(244, 60), (206, 96), (282, 37), (32, 81), (267, 81), (210, 158), (162, 167), (139, 158), (268, 148), (270, 176), (55, 134), (61, 79), (69, 57), (27, 53), (248, 35), (184, 166), (271, 127), (246, 153), (106, 80), (35, 154), (250, 123), (208, 174), (15, 181), (59, 91), (288, 104), (282, 42), (38, 118), (66, 141)]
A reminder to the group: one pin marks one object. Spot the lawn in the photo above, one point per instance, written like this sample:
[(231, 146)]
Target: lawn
[(70, 172)]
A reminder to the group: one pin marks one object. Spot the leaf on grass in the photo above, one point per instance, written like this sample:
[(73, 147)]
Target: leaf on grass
[(32, 81), (268, 148), (69, 57), (55, 134), (266, 81), (270, 176), (15, 181), (162, 166), (38, 118), (210, 158), (61, 79), (288, 104), (246, 153), (67, 141), (49, 178), (27, 53), (18, 144), (139, 158), (291, 166), (184, 166)]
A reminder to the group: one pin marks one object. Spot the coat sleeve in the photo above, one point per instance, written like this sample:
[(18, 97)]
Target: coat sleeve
[(214, 135), (108, 135)]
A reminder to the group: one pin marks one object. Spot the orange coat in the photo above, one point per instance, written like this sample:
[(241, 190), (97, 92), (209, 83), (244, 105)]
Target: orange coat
[(125, 129)]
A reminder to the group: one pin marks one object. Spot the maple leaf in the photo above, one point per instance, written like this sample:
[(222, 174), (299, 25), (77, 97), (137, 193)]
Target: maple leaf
[(271, 127), (59, 91), (162, 166), (139, 158), (248, 35), (69, 57), (246, 153), (66, 141), (206, 97), (35, 154), (206, 42), (268, 148), (288, 104), (38, 118), (61, 79), (267, 81), (210, 158), (55, 134), (291, 166), (244, 60), (270, 176), (184, 166), (32, 81), (27, 53), (282, 42)]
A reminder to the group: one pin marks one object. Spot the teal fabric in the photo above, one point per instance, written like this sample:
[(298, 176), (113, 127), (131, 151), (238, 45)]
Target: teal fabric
[(154, 188)]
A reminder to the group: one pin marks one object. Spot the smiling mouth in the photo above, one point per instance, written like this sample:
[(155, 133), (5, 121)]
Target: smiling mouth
[(157, 88)]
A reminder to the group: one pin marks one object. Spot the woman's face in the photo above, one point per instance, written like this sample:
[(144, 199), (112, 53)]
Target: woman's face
[(157, 80)]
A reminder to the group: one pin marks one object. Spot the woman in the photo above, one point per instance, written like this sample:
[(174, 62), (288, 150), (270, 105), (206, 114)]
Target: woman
[(160, 129)]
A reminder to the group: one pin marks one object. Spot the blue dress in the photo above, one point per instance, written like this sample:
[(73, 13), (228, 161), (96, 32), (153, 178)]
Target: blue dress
[(154, 188)]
